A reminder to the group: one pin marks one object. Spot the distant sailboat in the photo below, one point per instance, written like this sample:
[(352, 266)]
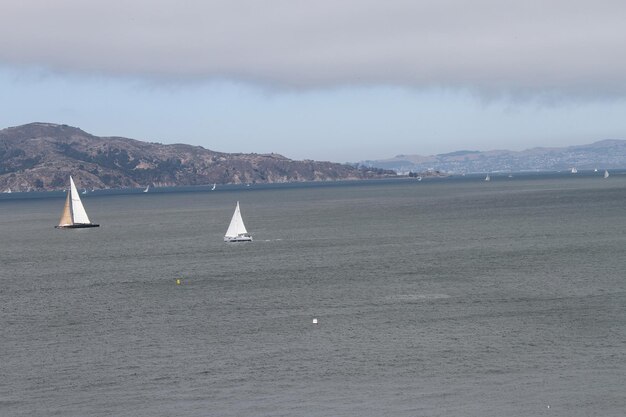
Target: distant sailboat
[(213, 189), (237, 230), (8, 191), (487, 178), (74, 215), (606, 174), (574, 170), (84, 191), (147, 189)]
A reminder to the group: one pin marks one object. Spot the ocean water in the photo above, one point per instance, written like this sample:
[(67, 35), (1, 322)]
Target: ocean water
[(448, 297)]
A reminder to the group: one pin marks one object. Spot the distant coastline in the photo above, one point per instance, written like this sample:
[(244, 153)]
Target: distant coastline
[(41, 156), (604, 154)]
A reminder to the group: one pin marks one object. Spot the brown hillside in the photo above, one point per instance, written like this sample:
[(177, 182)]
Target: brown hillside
[(40, 156)]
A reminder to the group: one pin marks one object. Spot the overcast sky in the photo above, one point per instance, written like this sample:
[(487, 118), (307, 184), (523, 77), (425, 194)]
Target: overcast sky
[(332, 80)]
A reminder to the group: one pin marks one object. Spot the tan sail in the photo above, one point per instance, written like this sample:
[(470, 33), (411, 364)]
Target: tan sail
[(66, 217)]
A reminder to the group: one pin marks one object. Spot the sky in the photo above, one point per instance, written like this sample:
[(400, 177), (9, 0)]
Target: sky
[(341, 81)]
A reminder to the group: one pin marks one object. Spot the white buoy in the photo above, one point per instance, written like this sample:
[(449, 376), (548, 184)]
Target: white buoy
[(314, 321)]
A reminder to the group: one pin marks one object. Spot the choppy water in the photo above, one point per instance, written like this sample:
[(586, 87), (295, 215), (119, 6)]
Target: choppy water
[(439, 298)]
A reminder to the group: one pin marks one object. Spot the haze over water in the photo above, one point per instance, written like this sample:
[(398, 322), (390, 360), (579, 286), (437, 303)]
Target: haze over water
[(434, 298)]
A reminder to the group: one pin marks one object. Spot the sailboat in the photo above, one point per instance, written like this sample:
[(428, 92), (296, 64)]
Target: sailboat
[(147, 189), (213, 189), (74, 215), (487, 178), (574, 170), (606, 173), (236, 229)]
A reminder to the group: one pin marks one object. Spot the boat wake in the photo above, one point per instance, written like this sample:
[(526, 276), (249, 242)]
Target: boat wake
[(416, 297)]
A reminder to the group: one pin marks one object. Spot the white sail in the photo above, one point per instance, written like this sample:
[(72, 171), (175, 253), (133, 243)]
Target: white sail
[(606, 174), (236, 229), (487, 178), (213, 189), (79, 215), (147, 189)]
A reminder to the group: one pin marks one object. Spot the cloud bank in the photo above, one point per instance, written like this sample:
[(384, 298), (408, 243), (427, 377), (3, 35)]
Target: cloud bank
[(531, 47)]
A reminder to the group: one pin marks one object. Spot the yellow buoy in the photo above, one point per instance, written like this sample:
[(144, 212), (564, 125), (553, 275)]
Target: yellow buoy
[(177, 281)]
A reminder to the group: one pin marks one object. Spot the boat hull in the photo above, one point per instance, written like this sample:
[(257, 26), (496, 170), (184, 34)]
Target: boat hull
[(77, 226), (238, 239)]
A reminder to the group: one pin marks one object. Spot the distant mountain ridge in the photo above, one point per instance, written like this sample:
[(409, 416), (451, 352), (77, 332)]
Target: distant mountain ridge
[(41, 156), (605, 154)]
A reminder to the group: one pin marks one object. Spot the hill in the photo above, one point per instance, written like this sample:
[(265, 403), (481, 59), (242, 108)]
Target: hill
[(610, 153), (40, 156)]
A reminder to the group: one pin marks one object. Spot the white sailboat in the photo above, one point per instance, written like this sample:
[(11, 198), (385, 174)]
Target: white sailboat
[(74, 215), (236, 229), (574, 170), (213, 189), (487, 178), (606, 173), (147, 189)]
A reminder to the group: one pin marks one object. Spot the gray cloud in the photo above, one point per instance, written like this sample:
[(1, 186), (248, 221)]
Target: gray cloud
[(531, 47)]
